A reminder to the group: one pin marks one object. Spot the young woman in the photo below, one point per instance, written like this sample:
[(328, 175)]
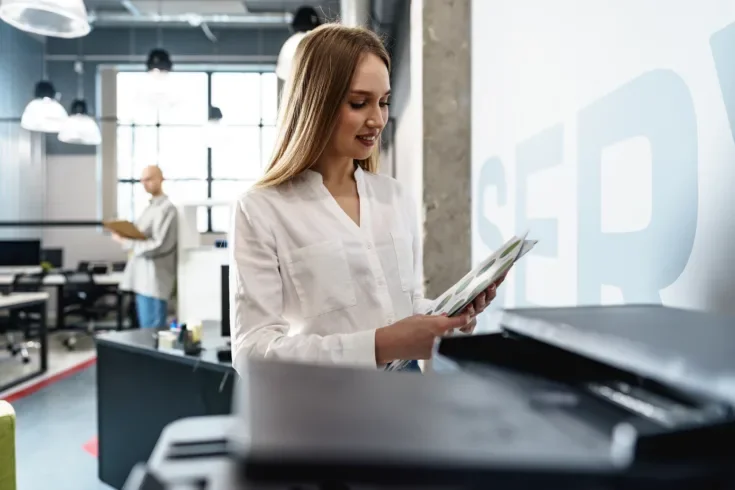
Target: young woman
[(325, 252)]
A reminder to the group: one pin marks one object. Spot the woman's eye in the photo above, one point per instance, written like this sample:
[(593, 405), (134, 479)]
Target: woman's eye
[(357, 105), (385, 104)]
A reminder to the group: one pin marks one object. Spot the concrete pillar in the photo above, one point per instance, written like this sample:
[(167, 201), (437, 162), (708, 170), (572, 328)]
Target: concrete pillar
[(107, 156), (355, 12), (445, 68)]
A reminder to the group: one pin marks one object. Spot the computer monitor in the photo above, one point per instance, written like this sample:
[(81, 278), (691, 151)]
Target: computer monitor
[(19, 253), (54, 256), (225, 285)]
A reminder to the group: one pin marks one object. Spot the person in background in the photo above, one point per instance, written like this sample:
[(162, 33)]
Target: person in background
[(151, 269), (326, 254)]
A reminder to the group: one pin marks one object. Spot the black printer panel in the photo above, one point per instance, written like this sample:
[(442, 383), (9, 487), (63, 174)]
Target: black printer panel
[(667, 423)]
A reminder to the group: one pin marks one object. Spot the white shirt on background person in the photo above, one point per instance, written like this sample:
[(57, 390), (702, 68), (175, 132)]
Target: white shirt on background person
[(151, 267)]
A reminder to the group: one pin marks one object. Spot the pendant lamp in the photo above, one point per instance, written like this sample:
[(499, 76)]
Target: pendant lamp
[(305, 20), (157, 89), (44, 113), (159, 61), (55, 18), (214, 128), (80, 128)]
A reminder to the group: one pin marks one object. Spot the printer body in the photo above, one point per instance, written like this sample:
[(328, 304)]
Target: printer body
[(618, 397)]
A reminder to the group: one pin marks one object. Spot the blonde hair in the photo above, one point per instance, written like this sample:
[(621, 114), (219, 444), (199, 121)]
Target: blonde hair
[(319, 82)]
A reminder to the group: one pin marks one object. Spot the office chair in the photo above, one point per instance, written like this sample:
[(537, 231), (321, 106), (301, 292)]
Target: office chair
[(82, 297), (24, 317), (99, 268)]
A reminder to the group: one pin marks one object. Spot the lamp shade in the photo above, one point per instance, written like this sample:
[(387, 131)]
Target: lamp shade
[(305, 19), (80, 128), (55, 18), (286, 55), (214, 129), (44, 113), (215, 114), (159, 60)]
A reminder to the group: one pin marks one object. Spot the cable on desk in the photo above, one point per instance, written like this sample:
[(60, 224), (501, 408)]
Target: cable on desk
[(224, 380), (201, 379), (196, 364)]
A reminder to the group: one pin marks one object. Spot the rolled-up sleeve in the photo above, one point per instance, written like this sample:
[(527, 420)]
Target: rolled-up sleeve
[(258, 327)]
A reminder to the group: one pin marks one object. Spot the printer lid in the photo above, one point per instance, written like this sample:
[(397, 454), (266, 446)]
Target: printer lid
[(689, 349)]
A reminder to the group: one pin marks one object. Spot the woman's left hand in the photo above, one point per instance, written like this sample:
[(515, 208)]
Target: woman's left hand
[(480, 303)]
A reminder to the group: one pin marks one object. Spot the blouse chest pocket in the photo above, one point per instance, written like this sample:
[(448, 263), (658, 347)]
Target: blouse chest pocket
[(321, 276), (402, 244)]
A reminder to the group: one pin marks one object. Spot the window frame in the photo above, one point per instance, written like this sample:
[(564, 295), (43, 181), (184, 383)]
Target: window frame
[(210, 179)]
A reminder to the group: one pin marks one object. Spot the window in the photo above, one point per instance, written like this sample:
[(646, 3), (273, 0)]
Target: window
[(170, 135)]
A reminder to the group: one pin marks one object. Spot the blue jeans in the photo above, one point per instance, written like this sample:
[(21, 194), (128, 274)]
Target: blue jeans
[(411, 366), (151, 311)]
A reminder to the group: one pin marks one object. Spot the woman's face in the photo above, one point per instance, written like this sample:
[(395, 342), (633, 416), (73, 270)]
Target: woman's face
[(363, 114)]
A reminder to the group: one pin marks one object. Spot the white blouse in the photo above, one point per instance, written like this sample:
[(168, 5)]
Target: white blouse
[(308, 284)]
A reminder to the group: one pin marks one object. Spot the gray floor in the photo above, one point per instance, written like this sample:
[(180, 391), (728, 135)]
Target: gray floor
[(54, 423), (53, 426), (60, 358)]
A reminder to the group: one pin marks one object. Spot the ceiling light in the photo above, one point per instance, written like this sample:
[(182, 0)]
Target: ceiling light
[(286, 55), (55, 18), (305, 20), (80, 128), (213, 130), (159, 67), (159, 61), (44, 113)]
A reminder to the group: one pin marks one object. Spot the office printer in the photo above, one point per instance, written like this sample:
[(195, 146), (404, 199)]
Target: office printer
[(609, 397)]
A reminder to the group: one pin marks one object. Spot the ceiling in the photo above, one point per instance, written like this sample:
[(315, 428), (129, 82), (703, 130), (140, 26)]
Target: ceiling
[(208, 7), (383, 10)]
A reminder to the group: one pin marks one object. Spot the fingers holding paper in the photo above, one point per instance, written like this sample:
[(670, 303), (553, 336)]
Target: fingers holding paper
[(481, 302), (469, 327), (484, 299)]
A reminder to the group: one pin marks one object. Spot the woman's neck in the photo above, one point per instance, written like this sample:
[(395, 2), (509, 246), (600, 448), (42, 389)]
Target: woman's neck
[(335, 171)]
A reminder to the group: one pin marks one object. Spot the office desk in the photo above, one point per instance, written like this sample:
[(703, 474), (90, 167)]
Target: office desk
[(14, 301), (141, 389), (111, 280), (7, 270)]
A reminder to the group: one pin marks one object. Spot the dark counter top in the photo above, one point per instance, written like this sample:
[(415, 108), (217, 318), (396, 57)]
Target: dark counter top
[(143, 340)]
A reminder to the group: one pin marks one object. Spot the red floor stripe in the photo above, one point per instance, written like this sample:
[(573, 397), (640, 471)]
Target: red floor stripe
[(42, 383), (91, 446)]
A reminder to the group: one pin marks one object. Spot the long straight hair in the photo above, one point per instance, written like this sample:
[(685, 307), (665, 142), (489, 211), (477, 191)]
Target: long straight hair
[(320, 78)]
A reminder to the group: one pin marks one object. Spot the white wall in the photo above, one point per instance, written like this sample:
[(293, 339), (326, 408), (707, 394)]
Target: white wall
[(408, 93), (72, 195), (607, 129)]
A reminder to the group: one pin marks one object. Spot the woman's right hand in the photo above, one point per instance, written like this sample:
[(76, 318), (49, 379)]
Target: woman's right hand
[(413, 338)]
